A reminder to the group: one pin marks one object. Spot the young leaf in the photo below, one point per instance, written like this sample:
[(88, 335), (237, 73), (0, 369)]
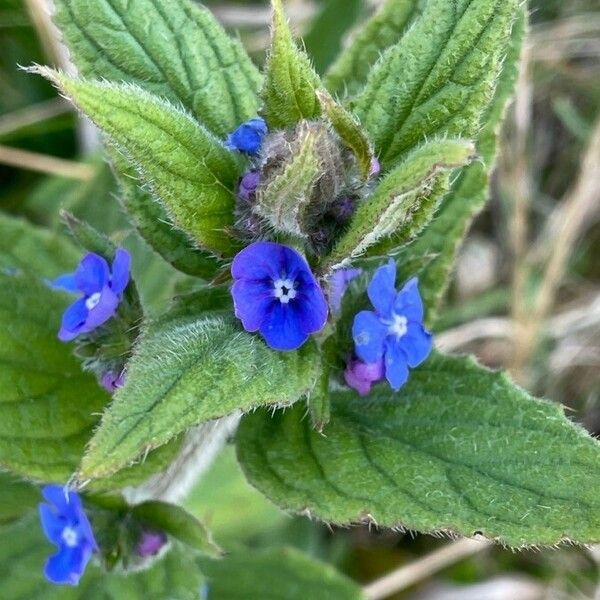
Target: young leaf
[(439, 78), (352, 67), (187, 168), (349, 131), (440, 242), (458, 449), (154, 225), (401, 197), (276, 574), (176, 522), (286, 199), (290, 81), (187, 371), (174, 49)]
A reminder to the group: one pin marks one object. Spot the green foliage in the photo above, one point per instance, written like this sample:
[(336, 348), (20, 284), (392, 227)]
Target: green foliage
[(16, 497), (171, 48), (352, 67), (285, 200), (324, 38), (459, 449), (176, 522), (439, 79), (186, 167), (24, 550), (433, 253), (289, 92), (276, 575), (235, 511), (184, 372), (349, 131), (402, 198)]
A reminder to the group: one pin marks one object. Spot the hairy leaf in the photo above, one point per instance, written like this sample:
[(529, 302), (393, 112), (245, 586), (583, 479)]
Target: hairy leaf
[(172, 48), (24, 550), (290, 81), (349, 131), (184, 165), (403, 196), (187, 371), (458, 449), (16, 497), (274, 575), (351, 69), (432, 255), (286, 198), (439, 78)]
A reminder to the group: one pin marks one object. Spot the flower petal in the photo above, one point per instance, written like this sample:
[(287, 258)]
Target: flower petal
[(103, 311), (73, 321), (396, 368), (121, 268), (416, 344), (248, 137), (92, 274), (369, 334), (338, 285), (58, 496), (252, 300), (282, 328), (259, 261), (361, 376), (52, 523), (409, 302), (65, 282), (311, 308), (382, 289), (67, 565)]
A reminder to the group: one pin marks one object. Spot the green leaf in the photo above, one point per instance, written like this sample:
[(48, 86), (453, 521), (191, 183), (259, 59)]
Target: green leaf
[(154, 225), (285, 201), (171, 48), (278, 574), (458, 449), (187, 371), (402, 198), (439, 79), (438, 245), (24, 551), (176, 522), (325, 36), (349, 130), (290, 81), (351, 69), (187, 168), (16, 497), (34, 250)]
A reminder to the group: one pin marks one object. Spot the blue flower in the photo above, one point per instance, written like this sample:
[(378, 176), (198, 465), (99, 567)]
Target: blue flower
[(66, 525), (395, 330), (248, 137), (276, 293), (100, 289)]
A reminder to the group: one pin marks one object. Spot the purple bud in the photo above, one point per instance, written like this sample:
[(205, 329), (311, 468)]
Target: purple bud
[(112, 381), (248, 184), (340, 280), (361, 376), (343, 209), (151, 543), (375, 167)]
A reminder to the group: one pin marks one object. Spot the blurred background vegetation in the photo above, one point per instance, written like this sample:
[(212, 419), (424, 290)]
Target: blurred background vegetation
[(526, 295)]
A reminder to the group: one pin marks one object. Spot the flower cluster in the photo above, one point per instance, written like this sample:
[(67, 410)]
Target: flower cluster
[(66, 525), (100, 288), (393, 333)]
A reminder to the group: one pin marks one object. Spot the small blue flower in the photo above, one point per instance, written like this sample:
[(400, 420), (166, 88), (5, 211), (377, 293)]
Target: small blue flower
[(395, 330), (100, 289), (276, 293), (248, 137), (66, 525)]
